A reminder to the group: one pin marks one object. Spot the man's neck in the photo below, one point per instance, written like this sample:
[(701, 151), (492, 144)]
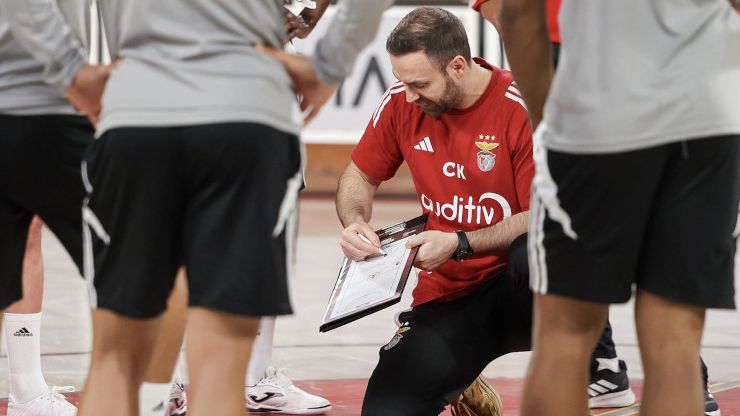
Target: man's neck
[(475, 85)]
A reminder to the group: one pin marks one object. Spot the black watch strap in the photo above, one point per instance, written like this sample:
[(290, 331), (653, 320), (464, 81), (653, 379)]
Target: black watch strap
[(464, 251)]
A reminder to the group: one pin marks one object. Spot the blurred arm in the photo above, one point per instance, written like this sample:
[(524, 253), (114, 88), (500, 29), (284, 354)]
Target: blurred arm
[(354, 27), (40, 27), (524, 31)]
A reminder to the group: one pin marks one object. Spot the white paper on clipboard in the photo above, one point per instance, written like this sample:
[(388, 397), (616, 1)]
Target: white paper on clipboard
[(365, 287)]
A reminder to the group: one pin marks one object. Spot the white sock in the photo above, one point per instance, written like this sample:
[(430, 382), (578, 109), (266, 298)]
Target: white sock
[(22, 336), (261, 351), (176, 378), (154, 398)]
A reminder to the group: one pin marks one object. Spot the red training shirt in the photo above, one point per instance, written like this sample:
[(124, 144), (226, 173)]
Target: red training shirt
[(553, 8), (471, 169)]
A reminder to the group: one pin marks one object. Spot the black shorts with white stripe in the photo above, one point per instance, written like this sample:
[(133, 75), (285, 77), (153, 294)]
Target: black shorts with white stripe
[(213, 198), (663, 218)]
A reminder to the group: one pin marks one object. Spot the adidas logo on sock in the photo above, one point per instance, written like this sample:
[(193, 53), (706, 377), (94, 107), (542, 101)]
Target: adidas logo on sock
[(23, 332)]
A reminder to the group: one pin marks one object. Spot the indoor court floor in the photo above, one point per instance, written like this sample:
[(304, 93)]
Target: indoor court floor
[(337, 364)]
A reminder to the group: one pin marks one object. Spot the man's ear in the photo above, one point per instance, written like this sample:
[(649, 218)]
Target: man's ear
[(457, 67)]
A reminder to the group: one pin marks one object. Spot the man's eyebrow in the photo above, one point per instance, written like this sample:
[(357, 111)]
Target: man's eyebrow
[(409, 82)]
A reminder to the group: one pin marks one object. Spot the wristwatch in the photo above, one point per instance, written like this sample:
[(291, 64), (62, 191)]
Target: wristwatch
[(464, 251)]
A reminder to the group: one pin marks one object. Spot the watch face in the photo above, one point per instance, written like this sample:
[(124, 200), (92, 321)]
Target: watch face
[(463, 255)]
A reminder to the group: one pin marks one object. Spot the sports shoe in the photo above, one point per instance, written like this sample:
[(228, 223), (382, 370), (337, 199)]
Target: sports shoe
[(711, 408), (178, 405), (276, 393), (610, 386), (479, 399), (51, 403)]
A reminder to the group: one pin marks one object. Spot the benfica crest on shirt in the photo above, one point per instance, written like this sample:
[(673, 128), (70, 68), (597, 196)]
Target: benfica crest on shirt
[(486, 159)]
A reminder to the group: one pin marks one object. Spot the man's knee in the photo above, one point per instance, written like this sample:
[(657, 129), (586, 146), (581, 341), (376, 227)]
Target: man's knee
[(413, 374), (558, 315), (386, 402)]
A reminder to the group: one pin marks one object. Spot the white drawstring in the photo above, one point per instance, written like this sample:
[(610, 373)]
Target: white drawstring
[(91, 221), (545, 188)]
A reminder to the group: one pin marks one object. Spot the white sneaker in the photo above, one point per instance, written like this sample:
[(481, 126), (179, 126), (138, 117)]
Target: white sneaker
[(277, 393), (178, 400), (51, 403)]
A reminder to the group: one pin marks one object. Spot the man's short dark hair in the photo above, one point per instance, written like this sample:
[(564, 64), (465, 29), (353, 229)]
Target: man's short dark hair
[(434, 31)]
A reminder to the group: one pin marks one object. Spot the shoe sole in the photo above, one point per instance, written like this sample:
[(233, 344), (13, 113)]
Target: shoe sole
[(618, 399), (715, 413), (266, 409)]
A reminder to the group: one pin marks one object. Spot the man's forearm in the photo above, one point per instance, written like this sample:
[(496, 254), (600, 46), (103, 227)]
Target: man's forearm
[(524, 31), (497, 238), (40, 27), (491, 11), (354, 26), (354, 197)]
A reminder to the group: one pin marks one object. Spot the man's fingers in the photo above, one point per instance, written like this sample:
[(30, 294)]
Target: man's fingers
[(311, 115), (415, 241), (367, 248), (271, 52), (352, 252)]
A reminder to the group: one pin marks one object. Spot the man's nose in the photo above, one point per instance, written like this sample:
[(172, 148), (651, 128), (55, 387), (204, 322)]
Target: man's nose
[(411, 96)]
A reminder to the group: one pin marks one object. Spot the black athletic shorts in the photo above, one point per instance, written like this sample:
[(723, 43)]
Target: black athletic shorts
[(213, 198), (39, 174), (441, 347), (662, 218)]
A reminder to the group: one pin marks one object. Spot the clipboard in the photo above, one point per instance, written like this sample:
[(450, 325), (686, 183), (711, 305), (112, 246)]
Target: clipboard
[(367, 286)]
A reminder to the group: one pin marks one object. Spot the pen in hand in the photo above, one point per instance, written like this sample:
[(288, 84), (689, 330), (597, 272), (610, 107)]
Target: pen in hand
[(363, 238)]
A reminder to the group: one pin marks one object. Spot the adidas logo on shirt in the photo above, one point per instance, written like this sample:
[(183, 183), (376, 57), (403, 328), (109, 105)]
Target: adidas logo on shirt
[(425, 145), (23, 332)]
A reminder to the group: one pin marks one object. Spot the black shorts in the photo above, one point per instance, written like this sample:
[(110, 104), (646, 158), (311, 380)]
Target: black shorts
[(661, 218), (213, 198), (442, 347), (39, 174)]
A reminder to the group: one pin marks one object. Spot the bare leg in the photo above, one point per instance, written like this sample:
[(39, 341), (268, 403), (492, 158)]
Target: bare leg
[(670, 338), (33, 273), (23, 325), (218, 349), (155, 392), (565, 334), (122, 350), (169, 339)]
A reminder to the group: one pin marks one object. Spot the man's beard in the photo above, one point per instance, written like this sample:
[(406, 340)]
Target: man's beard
[(451, 98)]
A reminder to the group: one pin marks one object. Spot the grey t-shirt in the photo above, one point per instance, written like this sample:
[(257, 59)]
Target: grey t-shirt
[(42, 46), (640, 73), (193, 62)]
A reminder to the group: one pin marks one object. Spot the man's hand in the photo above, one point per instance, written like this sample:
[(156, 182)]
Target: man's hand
[(313, 93), (86, 90), (302, 26), (295, 26), (435, 248), (352, 245)]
